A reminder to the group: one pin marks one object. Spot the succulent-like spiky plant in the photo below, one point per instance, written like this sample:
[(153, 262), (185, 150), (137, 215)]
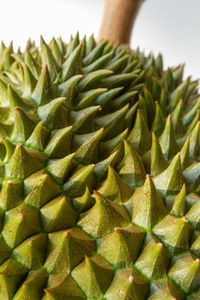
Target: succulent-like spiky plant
[(100, 174)]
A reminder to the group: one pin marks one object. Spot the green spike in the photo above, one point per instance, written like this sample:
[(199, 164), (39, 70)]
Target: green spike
[(83, 42), (184, 153), (178, 73), (118, 80), (91, 43), (23, 126), (193, 216), (68, 89), (169, 79), (142, 107), (93, 275), (118, 65), (76, 184), (24, 222), (128, 284), (153, 261), (88, 152), (101, 168), (5, 130), (175, 97), (39, 136), (11, 276), (191, 112), (193, 123), (123, 99), (131, 169), (148, 205), (113, 188), (195, 247), (49, 60), (139, 136), (192, 175), (194, 141), (164, 289), (155, 89), (16, 100), (179, 205), (131, 66), (168, 140), (158, 122), (150, 105), (174, 233), (7, 59), (83, 120), (80, 139), (90, 80), (56, 51), (130, 116), (89, 98), (59, 144), (3, 93), (105, 215), (66, 249), (58, 214), (61, 168), (44, 89), (108, 47), (61, 286), (83, 203), (106, 97), (32, 64), (61, 45), (39, 189), (2, 49), (10, 148), (28, 81), (24, 162), (71, 65), (177, 118), (139, 79), (95, 53), (52, 114), (127, 241), (18, 58), (112, 122), (184, 90), (32, 286), (163, 101), (74, 42), (186, 273), (4, 113), (11, 194), (158, 163), (30, 253), (108, 147), (171, 179), (5, 253), (98, 64)]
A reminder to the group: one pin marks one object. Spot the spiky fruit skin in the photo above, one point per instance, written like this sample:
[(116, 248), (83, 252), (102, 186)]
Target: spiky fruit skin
[(100, 175)]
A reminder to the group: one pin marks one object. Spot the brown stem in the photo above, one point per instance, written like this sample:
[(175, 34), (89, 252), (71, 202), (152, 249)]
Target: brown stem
[(119, 17)]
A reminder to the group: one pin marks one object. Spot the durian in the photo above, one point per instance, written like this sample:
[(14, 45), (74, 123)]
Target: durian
[(100, 174)]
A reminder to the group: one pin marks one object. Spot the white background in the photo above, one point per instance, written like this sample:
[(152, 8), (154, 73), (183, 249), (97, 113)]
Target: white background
[(168, 26)]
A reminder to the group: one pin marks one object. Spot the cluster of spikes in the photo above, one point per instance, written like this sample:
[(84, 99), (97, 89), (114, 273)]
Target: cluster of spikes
[(100, 174)]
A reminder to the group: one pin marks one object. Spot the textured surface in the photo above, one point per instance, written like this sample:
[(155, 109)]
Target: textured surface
[(100, 175)]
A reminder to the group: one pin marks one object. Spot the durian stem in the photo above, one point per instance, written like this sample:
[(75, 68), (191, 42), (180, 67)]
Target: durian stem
[(118, 20)]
